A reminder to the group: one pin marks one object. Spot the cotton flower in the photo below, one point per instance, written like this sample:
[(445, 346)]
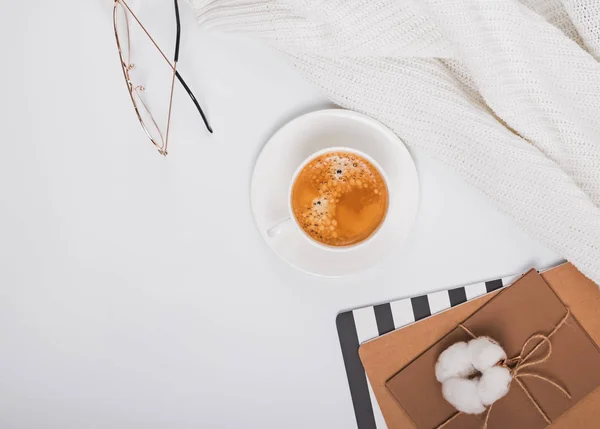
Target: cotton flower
[(493, 384), (485, 353), (470, 375), (463, 394), (455, 361)]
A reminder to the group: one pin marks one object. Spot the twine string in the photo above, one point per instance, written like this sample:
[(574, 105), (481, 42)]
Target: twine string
[(516, 365)]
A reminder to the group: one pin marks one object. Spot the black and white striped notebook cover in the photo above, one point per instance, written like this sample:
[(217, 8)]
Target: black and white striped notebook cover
[(357, 326)]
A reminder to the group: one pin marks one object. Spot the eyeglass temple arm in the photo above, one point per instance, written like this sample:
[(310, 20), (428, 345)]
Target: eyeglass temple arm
[(178, 38), (187, 88)]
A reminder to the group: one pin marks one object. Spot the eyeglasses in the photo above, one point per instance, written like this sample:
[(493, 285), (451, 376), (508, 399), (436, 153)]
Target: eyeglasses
[(160, 140)]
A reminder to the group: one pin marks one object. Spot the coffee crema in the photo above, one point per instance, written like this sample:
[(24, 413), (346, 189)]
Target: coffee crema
[(339, 199)]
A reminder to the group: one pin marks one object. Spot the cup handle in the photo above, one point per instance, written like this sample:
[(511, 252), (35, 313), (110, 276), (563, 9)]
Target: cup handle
[(282, 226)]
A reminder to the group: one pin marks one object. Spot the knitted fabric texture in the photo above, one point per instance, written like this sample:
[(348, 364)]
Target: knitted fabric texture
[(505, 92)]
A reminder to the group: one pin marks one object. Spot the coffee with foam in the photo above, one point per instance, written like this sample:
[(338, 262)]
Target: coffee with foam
[(339, 199)]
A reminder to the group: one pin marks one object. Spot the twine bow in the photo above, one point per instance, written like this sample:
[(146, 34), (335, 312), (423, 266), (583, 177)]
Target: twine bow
[(517, 364)]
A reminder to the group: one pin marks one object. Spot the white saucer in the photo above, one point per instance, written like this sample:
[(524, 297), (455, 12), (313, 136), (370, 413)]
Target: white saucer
[(297, 140)]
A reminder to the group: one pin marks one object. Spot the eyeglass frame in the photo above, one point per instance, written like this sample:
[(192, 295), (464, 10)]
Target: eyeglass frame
[(126, 66)]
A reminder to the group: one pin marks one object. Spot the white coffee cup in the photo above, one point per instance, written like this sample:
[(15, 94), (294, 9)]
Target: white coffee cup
[(290, 223)]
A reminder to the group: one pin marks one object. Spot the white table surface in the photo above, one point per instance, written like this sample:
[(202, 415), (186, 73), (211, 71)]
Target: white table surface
[(135, 291)]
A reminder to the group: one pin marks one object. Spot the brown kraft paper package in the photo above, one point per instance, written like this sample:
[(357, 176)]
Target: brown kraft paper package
[(527, 308)]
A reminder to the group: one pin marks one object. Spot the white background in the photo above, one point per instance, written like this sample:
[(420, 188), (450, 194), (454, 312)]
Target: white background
[(135, 291)]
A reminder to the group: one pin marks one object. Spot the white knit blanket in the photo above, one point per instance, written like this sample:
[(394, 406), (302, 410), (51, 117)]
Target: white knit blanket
[(505, 92)]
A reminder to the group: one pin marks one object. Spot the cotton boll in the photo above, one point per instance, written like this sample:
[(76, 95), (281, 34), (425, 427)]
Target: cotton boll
[(493, 384), (454, 362), (462, 394), (485, 353)]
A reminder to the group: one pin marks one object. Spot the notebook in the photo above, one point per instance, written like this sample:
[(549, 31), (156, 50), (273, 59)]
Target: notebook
[(354, 327)]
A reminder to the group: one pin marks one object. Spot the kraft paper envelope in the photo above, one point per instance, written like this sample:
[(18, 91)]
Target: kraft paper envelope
[(573, 360), (385, 356)]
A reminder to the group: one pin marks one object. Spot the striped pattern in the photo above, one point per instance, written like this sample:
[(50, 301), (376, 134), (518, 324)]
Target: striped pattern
[(363, 324)]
